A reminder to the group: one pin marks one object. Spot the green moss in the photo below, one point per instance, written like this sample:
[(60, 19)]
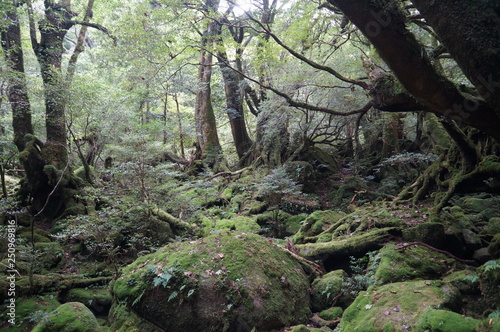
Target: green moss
[(300, 328), (331, 313), (326, 288), (346, 246), (430, 232), (414, 262), (494, 247), (239, 223), (445, 321), (466, 281), (97, 296), (215, 282), (69, 317), (397, 306), (39, 236), (125, 320), (31, 310), (493, 226)]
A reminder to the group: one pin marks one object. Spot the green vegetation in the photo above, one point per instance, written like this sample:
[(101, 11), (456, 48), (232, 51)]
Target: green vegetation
[(250, 165)]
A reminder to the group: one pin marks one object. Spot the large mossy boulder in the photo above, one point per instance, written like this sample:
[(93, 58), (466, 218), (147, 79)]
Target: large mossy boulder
[(69, 317), (413, 262), (398, 306), (233, 281), (327, 290)]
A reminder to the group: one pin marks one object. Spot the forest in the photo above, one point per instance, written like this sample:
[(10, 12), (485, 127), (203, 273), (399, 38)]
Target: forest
[(250, 165)]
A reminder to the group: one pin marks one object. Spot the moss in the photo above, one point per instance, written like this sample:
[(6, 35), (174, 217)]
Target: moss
[(69, 317), (240, 223), (125, 320), (414, 262), (493, 226), (229, 280), (397, 306), (31, 310), (97, 299), (466, 281), (326, 288), (300, 328), (494, 247), (346, 246), (331, 313), (39, 236), (445, 321), (430, 232)]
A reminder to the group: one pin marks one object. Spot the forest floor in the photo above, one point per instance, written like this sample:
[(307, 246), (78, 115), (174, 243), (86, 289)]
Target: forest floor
[(366, 264)]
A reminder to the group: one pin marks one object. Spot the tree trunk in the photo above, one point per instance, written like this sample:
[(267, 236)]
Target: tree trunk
[(206, 127), (384, 26), (234, 104)]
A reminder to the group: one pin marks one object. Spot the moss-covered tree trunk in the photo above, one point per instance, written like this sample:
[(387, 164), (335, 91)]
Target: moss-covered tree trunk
[(234, 101), (209, 149)]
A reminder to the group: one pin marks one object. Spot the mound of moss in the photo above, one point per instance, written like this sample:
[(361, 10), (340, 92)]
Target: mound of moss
[(398, 306), (69, 317), (413, 262), (229, 281)]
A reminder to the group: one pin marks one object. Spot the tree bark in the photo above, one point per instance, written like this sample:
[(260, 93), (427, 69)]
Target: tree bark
[(470, 31), (234, 104), (206, 127), (384, 26)]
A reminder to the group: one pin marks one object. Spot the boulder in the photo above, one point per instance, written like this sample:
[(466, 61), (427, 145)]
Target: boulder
[(398, 306), (413, 262), (233, 281), (69, 317)]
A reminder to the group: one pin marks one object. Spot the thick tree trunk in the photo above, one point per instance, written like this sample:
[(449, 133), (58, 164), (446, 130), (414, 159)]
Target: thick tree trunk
[(234, 104), (470, 31), (384, 25), (206, 127)]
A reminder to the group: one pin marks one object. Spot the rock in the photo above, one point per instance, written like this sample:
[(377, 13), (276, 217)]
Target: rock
[(494, 247), (69, 317), (431, 233), (396, 307), (232, 281), (482, 255), (331, 313), (326, 289), (478, 205), (446, 321), (413, 262), (493, 226), (97, 299), (466, 281)]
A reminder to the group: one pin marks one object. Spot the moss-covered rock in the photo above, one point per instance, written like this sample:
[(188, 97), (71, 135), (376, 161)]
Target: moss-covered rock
[(29, 311), (238, 223), (493, 226), (413, 262), (69, 317), (466, 281), (232, 280), (446, 321), (479, 205), (431, 233), (396, 307), (125, 320), (326, 289), (331, 313), (97, 299), (494, 247)]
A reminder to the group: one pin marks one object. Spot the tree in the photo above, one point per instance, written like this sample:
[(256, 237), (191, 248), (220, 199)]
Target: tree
[(49, 177), (206, 128), (474, 45)]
